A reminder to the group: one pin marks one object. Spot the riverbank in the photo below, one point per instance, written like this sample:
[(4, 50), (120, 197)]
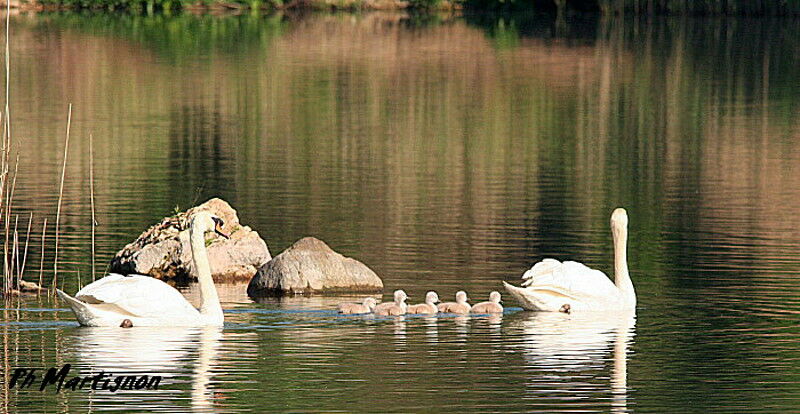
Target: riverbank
[(606, 7)]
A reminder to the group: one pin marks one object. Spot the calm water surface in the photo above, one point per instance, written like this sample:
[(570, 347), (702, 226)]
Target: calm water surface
[(445, 153)]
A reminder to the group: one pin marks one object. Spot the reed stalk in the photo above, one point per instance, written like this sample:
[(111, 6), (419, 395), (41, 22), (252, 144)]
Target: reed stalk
[(6, 153), (13, 256), (15, 251), (41, 262), (27, 241), (61, 195), (7, 225), (3, 179), (8, 270), (8, 71), (91, 195)]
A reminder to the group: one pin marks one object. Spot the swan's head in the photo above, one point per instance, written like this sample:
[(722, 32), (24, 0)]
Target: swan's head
[(461, 296), (400, 296), (370, 302), (619, 218), (205, 222), (431, 298), (494, 297)]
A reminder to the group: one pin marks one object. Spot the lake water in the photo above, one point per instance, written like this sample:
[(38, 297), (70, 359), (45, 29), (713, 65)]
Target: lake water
[(446, 153)]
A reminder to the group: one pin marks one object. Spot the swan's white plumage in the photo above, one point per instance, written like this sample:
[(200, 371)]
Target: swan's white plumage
[(550, 284), (147, 301), (138, 296), (144, 300), (570, 278)]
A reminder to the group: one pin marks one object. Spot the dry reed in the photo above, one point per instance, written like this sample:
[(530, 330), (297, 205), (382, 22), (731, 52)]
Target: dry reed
[(41, 262), (91, 195), (27, 241), (4, 160), (61, 196)]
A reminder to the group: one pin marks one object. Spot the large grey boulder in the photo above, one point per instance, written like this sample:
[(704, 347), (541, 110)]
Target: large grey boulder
[(163, 250), (310, 266)]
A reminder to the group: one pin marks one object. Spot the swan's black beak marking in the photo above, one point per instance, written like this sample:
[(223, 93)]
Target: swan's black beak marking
[(218, 223)]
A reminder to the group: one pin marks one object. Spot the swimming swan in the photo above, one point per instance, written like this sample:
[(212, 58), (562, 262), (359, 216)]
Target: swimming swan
[(550, 285), (459, 306), (367, 306), (396, 308), (427, 308), (492, 306), (147, 301)]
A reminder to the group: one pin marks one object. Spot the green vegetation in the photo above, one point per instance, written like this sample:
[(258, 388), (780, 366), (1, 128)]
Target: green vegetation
[(640, 7), (646, 7), (149, 6), (424, 4), (177, 38), (702, 7)]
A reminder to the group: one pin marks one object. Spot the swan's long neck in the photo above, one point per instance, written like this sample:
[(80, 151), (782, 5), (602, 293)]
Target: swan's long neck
[(209, 300), (621, 276)]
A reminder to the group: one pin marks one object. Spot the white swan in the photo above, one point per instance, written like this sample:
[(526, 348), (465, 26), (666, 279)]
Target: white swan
[(146, 301), (398, 307), (367, 306), (427, 308), (550, 284), (492, 306), (460, 306)]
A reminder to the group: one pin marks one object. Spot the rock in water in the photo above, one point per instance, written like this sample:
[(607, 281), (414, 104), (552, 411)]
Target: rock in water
[(310, 266), (163, 251)]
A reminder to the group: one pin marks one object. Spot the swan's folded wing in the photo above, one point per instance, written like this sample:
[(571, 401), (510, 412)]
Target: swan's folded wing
[(571, 279), (102, 287), (542, 272), (141, 296)]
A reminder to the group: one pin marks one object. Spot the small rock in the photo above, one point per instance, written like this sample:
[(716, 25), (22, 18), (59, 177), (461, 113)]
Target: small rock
[(310, 266), (163, 250)]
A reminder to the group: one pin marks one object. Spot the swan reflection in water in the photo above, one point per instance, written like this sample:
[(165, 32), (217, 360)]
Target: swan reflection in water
[(568, 347), (173, 353)]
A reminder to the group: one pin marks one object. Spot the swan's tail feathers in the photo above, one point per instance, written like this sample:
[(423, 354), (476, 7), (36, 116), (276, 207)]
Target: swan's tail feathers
[(78, 308), (523, 296), (65, 297), (541, 298), (73, 303)]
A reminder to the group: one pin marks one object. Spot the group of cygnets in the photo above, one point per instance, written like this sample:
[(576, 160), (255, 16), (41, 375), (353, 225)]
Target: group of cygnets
[(430, 307)]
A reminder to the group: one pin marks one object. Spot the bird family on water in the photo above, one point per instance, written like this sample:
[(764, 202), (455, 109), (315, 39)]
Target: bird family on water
[(549, 286), (430, 307)]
